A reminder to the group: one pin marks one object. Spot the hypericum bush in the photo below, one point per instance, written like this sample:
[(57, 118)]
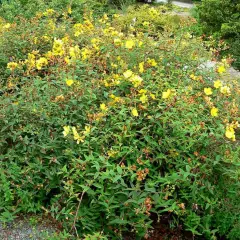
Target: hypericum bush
[(105, 126)]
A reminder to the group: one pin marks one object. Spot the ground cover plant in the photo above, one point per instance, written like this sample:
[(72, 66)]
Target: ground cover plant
[(110, 122)]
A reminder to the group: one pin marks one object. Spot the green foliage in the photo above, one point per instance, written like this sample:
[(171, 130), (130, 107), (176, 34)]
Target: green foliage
[(104, 152), (28, 8), (121, 3), (222, 20), (95, 236)]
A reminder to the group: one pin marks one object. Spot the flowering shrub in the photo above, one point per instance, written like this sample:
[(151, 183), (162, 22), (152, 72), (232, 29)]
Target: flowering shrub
[(106, 126)]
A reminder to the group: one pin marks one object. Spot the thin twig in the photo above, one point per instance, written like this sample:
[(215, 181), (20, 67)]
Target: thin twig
[(75, 218)]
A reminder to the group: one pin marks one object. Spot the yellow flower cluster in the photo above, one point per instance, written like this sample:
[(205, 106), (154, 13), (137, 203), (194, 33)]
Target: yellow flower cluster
[(49, 12), (87, 42), (193, 77), (12, 65), (76, 136), (81, 28), (230, 130), (223, 89), (152, 62), (41, 62), (144, 95), (58, 47), (134, 79), (30, 61), (74, 52)]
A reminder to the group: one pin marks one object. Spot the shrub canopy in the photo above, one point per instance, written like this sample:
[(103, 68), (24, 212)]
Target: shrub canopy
[(109, 121)]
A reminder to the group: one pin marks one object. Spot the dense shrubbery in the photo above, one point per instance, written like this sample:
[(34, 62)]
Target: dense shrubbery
[(13, 10), (110, 121), (222, 20)]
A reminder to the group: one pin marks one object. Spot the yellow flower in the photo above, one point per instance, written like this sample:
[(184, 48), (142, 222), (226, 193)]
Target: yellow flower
[(58, 48), (74, 52), (116, 15), (117, 41), (103, 107), (12, 65), (7, 26), (166, 94), (111, 153), (146, 24), (35, 40), (141, 67), (152, 62), (230, 133), (208, 91), (46, 38), (49, 12), (140, 43), (67, 60), (69, 10), (87, 130), (77, 33), (41, 62), (128, 74), (142, 91), (136, 80), (86, 53), (66, 130), (105, 17), (144, 98), (113, 65), (30, 61), (76, 136), (134, 112), (225, 90), (48, 55), (193, 77), (214, 112), (221, 69), (69, 82), (217, 84), (153, 96), (129, 44)]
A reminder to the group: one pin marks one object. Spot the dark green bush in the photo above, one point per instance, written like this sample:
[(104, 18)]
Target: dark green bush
[(222, 20)]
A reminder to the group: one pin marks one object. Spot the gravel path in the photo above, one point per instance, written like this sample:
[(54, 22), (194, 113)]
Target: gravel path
[(177, 3), (28, 228), (229, 75)]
